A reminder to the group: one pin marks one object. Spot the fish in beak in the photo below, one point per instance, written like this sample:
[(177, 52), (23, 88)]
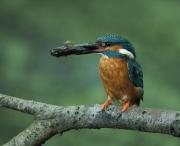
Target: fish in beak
[(76, 49)]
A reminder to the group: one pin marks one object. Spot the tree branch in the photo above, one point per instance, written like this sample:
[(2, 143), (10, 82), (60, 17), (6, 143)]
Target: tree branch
[(50, 120), (22, 105), (36, 134)]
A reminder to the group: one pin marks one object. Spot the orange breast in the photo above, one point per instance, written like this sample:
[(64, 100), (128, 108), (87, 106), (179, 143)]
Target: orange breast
[(115, 78)]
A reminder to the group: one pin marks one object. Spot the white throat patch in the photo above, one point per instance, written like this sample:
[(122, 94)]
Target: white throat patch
[(126, 52), (103, 55)]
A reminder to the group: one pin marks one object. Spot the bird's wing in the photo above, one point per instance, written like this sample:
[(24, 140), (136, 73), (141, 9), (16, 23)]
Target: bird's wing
[(135, 73)]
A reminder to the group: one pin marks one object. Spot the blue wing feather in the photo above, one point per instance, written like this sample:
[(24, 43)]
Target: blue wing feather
[(135, 73)]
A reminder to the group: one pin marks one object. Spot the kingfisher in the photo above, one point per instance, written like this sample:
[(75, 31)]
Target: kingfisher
[(121, 74)]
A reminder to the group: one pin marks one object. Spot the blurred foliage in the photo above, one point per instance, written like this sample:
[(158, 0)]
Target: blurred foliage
[(28, 29)]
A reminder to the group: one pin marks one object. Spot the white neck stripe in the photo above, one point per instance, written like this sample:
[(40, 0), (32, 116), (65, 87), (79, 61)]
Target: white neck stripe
[(126, 52)]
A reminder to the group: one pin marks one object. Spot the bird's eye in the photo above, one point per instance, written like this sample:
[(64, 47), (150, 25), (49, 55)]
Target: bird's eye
[(103, 44), (108, 43)]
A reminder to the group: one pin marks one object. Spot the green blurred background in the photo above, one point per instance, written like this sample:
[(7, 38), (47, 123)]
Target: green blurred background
[(28, 29)]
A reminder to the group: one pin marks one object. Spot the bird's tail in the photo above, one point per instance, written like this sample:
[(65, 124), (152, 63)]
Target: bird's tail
[(139, 96)]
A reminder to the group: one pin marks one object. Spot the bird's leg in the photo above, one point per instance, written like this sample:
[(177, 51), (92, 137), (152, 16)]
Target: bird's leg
[(125, 103), (107, 103), (125, 106)]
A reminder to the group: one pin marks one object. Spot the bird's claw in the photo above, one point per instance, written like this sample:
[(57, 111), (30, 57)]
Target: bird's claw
[(104, 106)]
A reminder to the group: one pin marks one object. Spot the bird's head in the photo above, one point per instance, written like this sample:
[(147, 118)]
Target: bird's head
[(115, 45), (108, 45)]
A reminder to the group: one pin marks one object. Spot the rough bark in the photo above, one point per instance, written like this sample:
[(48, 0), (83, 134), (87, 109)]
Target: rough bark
[(51, 120)]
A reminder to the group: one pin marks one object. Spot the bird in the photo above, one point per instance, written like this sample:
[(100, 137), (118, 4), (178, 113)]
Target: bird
[(121, 74)]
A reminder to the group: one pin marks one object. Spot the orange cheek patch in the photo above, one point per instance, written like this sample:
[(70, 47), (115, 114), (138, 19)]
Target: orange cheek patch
[(116, 48)]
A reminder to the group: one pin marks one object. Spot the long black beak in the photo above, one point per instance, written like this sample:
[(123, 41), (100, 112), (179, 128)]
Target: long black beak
[(76, 49)]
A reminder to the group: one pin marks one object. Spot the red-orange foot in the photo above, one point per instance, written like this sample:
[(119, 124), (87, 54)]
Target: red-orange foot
[(107, 103), (125, 106)]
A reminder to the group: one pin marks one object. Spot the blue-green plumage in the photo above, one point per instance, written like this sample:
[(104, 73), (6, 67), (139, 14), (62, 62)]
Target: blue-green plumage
[(110, 53), (135, 73)]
